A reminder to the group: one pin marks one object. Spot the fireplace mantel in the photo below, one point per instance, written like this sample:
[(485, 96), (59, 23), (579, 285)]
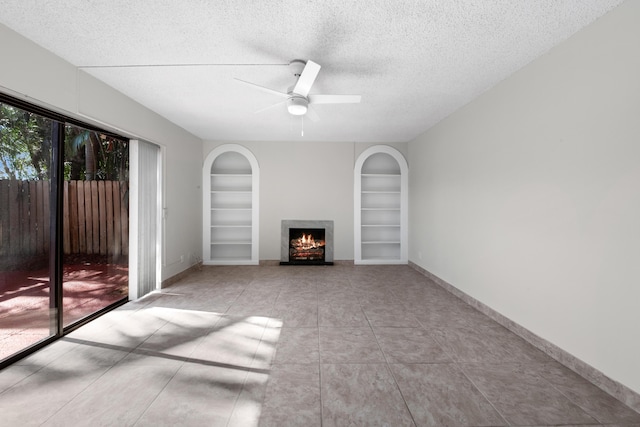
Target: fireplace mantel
[(295, 223)]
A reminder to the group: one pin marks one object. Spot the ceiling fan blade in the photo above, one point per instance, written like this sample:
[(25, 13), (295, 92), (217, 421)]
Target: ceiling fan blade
[(270, 106), (311, 114), (334, 99), (306, 79), (264, 89)]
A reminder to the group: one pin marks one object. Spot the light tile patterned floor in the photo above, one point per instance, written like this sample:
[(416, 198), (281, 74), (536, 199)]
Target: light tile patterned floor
[(299, 346)]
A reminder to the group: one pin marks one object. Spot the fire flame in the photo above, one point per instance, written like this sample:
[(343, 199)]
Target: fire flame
[(306, 242)]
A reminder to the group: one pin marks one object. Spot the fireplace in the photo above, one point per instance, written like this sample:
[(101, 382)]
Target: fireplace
[(306, 242)]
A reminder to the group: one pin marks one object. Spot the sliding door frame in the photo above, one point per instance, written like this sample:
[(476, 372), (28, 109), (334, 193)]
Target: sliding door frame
[(56, 246)]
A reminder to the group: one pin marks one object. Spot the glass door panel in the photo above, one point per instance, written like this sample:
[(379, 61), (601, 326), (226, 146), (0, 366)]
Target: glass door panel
[(27, 313), (95, 222)]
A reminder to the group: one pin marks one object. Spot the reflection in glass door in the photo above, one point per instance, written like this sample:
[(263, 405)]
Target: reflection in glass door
[(25, 212), (95, 222)]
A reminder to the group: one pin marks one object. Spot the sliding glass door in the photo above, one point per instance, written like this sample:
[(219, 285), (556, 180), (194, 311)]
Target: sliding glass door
[(64, 225), (26, 308)]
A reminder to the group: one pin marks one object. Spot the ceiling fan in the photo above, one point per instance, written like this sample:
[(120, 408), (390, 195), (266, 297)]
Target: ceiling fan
[(297, 97)]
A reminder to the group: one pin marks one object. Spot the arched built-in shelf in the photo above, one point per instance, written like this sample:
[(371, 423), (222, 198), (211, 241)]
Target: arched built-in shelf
[(380, 207), (231, 178)]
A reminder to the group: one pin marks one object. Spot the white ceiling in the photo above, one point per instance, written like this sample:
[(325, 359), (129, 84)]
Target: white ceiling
[(413, 61)]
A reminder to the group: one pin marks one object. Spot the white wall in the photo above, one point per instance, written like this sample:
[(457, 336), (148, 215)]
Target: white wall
[(37, 76), (528, 199), (305, 180)]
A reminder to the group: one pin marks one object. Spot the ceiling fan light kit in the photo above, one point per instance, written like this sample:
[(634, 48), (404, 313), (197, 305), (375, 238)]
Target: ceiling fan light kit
[(297, 105), (297, 96)]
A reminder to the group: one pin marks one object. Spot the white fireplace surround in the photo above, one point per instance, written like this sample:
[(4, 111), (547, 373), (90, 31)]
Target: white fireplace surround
[(295, 223)]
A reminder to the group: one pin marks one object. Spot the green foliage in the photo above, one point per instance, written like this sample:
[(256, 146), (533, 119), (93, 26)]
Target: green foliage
[(25, 144), (90, 155), (25, 149)]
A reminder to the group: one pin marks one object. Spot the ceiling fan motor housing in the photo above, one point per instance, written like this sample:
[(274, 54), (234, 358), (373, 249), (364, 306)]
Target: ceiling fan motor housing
[(296, 66)]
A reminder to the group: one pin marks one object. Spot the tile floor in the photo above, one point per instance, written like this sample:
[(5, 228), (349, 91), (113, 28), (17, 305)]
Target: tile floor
[(299, 346)]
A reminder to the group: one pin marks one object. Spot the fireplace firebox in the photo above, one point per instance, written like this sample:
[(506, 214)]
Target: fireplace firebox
[(306, 245), (307, 242)]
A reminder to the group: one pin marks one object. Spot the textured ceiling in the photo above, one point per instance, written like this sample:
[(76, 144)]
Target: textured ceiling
[(413, 62)]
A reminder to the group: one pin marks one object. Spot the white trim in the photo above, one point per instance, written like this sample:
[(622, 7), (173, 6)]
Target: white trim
[(206, 205), (404, 205), (133, 219)]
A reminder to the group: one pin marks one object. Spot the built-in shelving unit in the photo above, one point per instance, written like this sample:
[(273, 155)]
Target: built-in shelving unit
[(230, 216), (380, 207)]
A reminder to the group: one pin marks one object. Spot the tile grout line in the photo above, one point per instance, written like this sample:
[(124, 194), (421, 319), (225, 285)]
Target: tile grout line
[(395, 380), (458, 365), (158, 395), (319, 357), (100, 376), (386, 364), (253, 360), (539, 376), (571, 400), (504, 418), (78, 393), (168, 381)]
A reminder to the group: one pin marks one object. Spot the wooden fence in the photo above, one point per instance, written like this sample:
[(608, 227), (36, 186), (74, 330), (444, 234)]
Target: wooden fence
[(95, 217)]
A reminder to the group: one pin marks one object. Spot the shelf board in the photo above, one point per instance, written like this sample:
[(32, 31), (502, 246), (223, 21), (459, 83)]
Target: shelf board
[(231, 191), (381, 242), (379, 209), (231, 261), (380, 191), (230, 242), (382, 174), (232, 174), (381, 225), (231, 209), (379, 261), (230, 226), (380, 258)]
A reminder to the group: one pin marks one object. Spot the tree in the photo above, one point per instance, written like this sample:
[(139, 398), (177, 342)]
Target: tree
[(25, 149), (96, 155), (25, 144), (80, 152)]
